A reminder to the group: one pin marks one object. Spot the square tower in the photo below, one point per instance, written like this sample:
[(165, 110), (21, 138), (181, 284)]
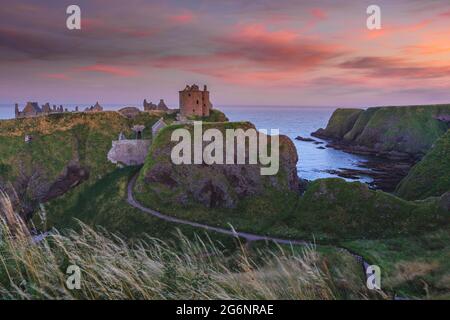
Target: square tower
[(194, 102)]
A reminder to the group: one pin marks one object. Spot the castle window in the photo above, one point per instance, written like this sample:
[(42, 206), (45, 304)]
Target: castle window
[(197, 102)]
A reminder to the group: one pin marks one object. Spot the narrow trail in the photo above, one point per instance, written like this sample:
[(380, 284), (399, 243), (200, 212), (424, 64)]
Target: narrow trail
[(237, 234)]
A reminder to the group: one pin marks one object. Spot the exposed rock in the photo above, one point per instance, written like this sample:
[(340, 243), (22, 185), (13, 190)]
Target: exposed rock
[(300, 138), (73, 175)]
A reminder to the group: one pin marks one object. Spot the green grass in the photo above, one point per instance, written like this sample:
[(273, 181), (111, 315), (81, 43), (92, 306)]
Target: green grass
[(103, 204), (113, 268), (431, 176), (416, 266), (330, 210), (342, 121)]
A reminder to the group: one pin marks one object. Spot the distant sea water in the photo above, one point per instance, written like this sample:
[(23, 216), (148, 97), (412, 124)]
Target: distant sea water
[(290, 121)]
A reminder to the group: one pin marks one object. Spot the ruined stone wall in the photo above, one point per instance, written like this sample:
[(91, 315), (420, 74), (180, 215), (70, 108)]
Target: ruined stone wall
[(129, 152), (191, 103)]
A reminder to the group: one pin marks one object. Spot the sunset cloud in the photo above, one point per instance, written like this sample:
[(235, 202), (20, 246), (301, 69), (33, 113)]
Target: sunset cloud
[(108, 69), (296, 50)]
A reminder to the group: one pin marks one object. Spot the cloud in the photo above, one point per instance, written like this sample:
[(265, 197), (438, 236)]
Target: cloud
[(251, 53), (387, 67), (108, 69), (319, 13), (183, 18)]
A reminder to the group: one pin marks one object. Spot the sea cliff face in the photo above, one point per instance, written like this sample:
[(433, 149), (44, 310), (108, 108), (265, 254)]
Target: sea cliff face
[(391, 132)]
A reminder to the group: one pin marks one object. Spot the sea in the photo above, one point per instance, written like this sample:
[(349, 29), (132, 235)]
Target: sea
[(314, 162)]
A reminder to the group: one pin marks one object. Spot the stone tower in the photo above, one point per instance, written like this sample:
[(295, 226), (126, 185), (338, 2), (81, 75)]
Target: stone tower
[(194, 102)]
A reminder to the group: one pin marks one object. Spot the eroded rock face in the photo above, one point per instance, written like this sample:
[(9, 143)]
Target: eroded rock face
[(73, 175), (216, 185), (29, 190)]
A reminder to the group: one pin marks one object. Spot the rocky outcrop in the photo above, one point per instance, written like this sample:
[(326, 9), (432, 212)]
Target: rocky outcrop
[(390, 132), (214, 185)]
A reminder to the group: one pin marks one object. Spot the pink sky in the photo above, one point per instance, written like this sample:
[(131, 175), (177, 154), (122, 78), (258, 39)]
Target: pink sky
[(248, 52)]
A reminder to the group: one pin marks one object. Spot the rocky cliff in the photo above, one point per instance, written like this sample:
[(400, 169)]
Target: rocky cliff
[(391, 132), (214, 185)]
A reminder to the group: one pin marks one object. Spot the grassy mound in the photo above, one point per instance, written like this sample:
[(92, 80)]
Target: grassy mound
[(431, 176)]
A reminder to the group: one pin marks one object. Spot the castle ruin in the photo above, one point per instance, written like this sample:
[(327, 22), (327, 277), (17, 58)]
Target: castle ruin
[(194, 102), (32, 109)]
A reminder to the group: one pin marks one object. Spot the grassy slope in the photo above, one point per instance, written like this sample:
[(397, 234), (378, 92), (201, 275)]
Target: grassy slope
[(103, 204), (416, 266), (405, 129), (431, 176)]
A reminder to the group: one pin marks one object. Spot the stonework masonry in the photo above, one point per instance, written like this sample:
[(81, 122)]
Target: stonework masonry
[(129, 152), (194, 102)]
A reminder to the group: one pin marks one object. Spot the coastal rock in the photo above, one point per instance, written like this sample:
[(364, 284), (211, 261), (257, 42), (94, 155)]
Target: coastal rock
[(390, 132), (399, 135), (300, 138), (213, 185)]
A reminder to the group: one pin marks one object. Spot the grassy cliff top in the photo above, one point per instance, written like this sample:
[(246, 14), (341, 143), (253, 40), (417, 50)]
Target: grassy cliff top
[(409, 129)]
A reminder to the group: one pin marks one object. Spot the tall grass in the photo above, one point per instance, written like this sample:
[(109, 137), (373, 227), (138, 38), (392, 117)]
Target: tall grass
[(111, 268)]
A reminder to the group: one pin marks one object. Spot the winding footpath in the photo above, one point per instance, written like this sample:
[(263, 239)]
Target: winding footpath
[(237, 234)]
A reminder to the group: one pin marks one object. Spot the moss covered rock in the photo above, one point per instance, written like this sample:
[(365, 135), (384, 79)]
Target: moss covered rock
[(216, 185)]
